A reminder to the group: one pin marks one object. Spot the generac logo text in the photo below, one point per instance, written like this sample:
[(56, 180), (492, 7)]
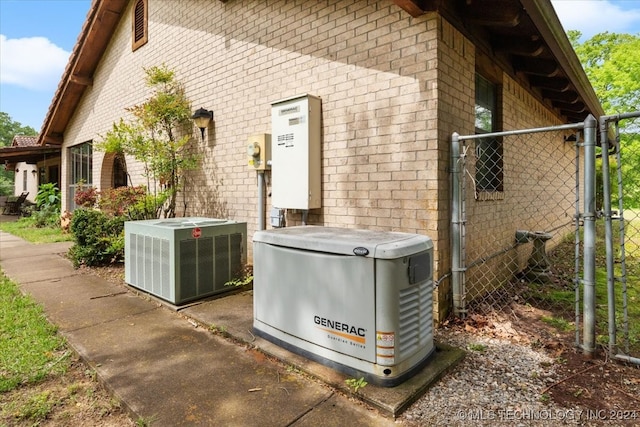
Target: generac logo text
[(341, 329)]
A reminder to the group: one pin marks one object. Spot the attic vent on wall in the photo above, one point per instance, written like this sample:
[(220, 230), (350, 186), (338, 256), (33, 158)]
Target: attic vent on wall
[(139, 33)]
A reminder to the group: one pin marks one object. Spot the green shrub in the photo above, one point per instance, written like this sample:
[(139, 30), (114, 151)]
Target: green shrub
[(99, 238), (6, 186), (47, 211)]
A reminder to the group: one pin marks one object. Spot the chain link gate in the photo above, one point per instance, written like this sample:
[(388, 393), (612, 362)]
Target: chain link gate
[(520, 205), (621, 213), (523, 235), (519, 228)]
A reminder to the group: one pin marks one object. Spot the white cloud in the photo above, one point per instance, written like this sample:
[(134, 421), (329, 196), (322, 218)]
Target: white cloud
[(591, 17), (33, 62)]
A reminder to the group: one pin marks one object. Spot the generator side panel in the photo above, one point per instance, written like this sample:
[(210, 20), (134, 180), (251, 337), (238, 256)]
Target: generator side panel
[(324, 299), (404, 306)]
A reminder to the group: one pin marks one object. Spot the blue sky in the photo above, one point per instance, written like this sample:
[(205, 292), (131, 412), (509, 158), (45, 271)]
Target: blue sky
[(37, 36)]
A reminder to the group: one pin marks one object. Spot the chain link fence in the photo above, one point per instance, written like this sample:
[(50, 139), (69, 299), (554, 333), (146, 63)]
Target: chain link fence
[(620, 323), (520, 210), (519, 228)]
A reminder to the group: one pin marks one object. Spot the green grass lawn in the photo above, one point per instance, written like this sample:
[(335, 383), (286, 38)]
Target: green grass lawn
[(560, 297), (42, 381), (25, 229), (632, 257), (30, 349)]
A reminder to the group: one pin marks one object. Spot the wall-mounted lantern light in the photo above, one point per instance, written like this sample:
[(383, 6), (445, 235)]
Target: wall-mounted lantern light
[(34, 172), (202, 118)]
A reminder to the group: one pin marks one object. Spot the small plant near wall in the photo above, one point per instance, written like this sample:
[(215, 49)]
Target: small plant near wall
[(154, 138), (356, 384), (85, 196), (242, 278), (133, 203)]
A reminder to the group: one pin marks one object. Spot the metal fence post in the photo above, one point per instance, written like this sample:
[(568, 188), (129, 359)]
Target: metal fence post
[(589, 216), (457, 224), (608, 237)]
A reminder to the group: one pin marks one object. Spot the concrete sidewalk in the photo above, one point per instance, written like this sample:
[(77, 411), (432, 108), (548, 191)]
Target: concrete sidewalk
[(166, 365)]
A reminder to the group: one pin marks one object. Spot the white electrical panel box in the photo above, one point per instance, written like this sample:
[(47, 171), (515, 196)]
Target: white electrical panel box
[(296, 150)]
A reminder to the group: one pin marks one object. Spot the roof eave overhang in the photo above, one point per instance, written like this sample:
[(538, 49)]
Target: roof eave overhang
[(545, 19), (526, 39), (102, 18), (28, 154)]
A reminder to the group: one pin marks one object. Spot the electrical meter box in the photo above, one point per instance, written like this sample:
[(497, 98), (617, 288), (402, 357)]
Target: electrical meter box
[(296, 135), (259, 151), (359, 301)]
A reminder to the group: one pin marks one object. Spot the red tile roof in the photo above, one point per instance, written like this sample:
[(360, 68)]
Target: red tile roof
[(24, 141)]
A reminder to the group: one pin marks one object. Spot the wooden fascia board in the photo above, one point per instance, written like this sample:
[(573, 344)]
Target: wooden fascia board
[(81, 80)]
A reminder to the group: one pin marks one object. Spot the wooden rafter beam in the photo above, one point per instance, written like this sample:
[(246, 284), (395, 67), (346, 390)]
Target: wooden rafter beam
[(557, 84), (415, 8), (492, 13), (537, 67), (576, 107), (519, 46), (568, 96)]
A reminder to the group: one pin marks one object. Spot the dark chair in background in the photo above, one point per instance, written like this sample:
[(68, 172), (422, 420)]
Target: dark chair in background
[(13, 207)]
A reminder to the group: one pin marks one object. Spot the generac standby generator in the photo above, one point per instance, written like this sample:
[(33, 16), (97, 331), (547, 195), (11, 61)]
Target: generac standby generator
[(359, 301), (183, 259)]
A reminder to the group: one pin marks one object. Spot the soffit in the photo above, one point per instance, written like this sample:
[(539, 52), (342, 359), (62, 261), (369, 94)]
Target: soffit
[(526, 38)]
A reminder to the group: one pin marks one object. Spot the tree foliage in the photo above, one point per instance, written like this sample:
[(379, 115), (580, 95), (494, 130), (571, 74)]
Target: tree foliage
[(612, 63), (158, 136), (8, 129)]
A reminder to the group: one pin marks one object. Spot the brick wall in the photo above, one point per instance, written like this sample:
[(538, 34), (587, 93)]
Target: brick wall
[(455, 100), (369, 62), (393, 88)]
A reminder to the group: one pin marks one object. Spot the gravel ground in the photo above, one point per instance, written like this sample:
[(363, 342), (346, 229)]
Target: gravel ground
[(498, 383)]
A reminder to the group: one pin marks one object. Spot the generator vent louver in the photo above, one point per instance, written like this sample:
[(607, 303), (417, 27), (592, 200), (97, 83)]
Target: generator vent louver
[(415, 318), (168, 259)]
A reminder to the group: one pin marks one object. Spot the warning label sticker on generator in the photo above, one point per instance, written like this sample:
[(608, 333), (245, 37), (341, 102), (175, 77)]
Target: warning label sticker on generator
[(385, 347)]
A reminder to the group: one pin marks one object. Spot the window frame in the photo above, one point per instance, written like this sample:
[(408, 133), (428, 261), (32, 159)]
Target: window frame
[(489, 154), (139, 12), (80, 169)]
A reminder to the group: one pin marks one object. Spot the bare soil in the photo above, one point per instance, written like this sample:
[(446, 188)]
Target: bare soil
[(74, 398), (605, 389)]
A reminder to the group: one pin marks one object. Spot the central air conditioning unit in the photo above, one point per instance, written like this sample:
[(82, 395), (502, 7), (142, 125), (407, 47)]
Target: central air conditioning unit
[(359, 301), (183, 259)]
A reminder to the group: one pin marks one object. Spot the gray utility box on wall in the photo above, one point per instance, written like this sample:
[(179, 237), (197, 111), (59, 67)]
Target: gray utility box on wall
[(359, 301), (183, 259), (296, 152)]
